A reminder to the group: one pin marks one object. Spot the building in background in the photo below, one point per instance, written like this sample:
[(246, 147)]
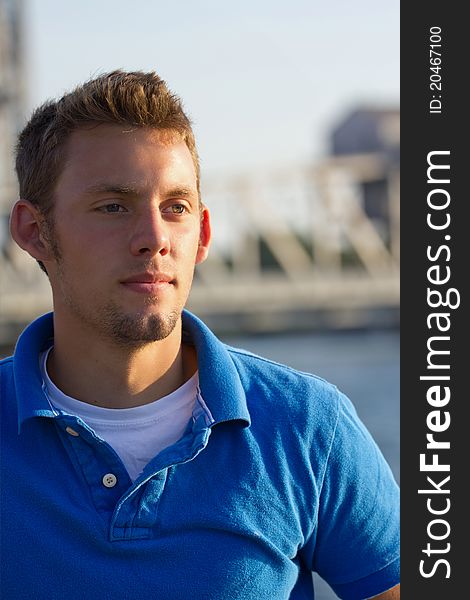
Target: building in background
[(368, 130), (374, 132)]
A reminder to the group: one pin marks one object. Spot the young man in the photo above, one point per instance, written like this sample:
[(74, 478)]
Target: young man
[(141, 457)]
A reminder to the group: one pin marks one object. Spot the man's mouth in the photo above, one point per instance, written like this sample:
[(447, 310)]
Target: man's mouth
[(148, 282)]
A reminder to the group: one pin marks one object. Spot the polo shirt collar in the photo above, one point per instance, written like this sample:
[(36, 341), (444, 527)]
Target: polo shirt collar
[(219, 379), (32, 399)]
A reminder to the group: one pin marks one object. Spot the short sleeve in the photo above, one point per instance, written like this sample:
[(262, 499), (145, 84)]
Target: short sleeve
[(356, 544)]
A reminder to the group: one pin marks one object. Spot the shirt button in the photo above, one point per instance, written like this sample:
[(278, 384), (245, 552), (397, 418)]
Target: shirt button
[(71, 431), (109, 480)]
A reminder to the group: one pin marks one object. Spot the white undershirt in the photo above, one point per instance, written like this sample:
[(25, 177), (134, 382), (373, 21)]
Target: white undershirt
[(136, 434)]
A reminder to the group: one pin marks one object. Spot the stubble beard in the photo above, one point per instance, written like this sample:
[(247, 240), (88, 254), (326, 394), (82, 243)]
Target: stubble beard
[(109, 321), (136, 331)]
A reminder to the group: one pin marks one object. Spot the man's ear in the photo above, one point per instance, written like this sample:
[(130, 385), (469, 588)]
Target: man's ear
[(26, 228), (205, 236)]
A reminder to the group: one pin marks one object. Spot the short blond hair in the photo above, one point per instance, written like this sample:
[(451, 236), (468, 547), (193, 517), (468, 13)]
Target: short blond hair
[(136, 99)]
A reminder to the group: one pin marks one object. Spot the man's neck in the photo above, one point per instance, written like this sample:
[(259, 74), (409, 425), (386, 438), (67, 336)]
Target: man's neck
[(99, 372)]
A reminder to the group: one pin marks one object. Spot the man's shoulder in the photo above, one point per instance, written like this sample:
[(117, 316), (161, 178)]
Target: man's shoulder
[(284, 386), (7, 387), (256, 366), (6, 362), (6, 366)]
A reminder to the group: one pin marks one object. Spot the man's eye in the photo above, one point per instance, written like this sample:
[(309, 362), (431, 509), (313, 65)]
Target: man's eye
[(112, 208), (176, 209)]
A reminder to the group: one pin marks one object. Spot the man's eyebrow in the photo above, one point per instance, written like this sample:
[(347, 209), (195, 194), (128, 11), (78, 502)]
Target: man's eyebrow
[(180, 192), (111, 188)]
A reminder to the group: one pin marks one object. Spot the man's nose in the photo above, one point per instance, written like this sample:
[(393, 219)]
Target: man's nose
[(150, 235)]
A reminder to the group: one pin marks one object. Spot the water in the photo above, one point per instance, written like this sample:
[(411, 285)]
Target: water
[(363, 364)]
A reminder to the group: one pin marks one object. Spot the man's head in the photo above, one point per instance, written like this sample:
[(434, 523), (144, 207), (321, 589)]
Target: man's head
[(109, 179), (130, 99)]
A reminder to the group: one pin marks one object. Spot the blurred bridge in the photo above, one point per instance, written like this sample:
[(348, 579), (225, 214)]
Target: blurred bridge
[(289, 246), (296, 246)]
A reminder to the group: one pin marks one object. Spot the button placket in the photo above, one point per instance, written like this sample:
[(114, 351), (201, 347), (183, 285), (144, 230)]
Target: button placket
[(98, 463)]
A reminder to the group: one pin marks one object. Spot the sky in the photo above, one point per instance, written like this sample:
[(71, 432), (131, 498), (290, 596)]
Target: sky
[(263, 81)]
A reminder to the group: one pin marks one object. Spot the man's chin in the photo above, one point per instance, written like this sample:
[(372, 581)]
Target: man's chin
[(142, 329)]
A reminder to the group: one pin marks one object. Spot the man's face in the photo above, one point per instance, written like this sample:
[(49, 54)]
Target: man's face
[(128, 232)]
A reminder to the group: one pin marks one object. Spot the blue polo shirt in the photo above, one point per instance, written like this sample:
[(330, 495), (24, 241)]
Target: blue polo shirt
[(275, 477)]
